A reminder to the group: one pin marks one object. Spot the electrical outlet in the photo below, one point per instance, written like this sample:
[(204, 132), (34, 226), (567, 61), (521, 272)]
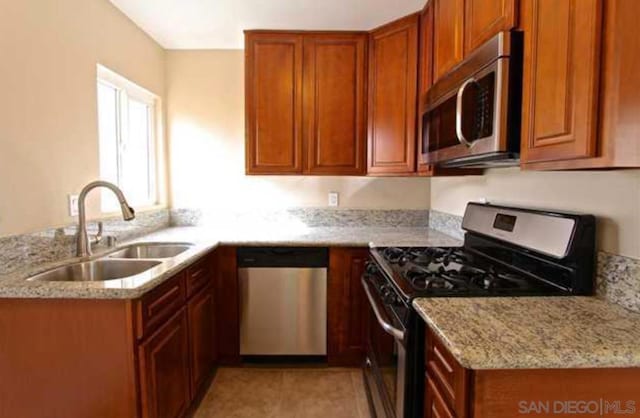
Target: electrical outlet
[(73, 205), (333, 199)]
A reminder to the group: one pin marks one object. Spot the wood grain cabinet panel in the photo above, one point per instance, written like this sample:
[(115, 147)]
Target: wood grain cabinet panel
[(347, 307), (448, 33), (425, 80), (335, 104), (201, 313), (164, 370), (484, 19), (393, 79), (273, 103), (561, 79), (227, 313)]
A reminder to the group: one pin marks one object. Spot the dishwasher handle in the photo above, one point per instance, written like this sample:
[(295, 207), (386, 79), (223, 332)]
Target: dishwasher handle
[(381, 316)]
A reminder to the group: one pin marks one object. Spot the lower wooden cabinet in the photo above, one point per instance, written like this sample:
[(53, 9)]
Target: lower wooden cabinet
[(164, 370), (346, 307), (435, 405), (201, 315), (452, 391)]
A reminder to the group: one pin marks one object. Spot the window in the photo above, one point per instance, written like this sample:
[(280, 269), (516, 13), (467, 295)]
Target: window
[(127, 133)]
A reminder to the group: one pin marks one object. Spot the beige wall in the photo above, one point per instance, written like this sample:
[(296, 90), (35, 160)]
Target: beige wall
[(48, 122), (613, 196), (205, 92)]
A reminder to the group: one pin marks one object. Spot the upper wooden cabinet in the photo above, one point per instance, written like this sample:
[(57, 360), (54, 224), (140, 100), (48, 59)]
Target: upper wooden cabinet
[(335, 104), (393, 68), (460, 26), (448, 33), (483, 19), (305, 103), (561, 79), (273, 103)]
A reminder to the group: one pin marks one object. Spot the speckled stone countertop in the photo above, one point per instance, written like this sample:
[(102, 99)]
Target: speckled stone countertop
[(534, 332), (15, 285)]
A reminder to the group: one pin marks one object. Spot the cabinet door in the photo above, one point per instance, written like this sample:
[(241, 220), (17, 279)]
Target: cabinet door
[(227, 314), (561, 73), (393, 80), (164, 370), (447, 35), (335, 104), (484, 19), (346, 307), (273, 103), (201, 314)]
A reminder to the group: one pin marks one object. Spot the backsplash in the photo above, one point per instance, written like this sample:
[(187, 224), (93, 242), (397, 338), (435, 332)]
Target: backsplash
[(54, 244), (310, 217), (446, 223), (617, 277)]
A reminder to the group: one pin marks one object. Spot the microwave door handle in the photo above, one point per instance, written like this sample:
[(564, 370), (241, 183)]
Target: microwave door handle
[(459, 133), (380, 315)]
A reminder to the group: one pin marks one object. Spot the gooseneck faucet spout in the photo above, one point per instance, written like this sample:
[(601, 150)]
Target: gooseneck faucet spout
[(83, 247)]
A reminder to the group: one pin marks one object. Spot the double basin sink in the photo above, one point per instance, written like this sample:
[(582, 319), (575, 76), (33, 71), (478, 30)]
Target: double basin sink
[(120, 264)]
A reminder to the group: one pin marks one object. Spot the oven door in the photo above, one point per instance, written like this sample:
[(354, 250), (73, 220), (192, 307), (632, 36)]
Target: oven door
[(385, 367)]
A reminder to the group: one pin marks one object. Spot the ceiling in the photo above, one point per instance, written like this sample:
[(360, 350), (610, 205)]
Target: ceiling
[(210, 24)]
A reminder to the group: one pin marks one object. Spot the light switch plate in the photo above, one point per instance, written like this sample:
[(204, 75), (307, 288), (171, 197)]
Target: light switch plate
[(73, 205), (334, 199)]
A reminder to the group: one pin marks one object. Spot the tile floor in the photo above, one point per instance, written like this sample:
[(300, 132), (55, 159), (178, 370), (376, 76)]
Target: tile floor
[(260, 392)]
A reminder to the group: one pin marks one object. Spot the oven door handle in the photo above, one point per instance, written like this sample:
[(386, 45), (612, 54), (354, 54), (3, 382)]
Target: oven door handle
[(381, 316), (461, 138)]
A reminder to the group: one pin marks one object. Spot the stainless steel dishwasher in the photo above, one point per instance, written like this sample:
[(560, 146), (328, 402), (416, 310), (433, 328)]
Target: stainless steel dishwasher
[(283, 299)]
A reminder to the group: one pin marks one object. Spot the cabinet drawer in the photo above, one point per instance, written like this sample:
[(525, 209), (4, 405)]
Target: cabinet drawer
[(435, 405), (449, 375), (199, 275), (159, 304)]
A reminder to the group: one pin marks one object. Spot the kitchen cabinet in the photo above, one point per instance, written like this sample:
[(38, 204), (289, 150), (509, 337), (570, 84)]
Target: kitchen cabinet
[(454, 391), (561, 79), (201, 316), (393, 67), (227, 307), (273, 87), (334, 115), (145, 357), (448, 35), (164, 370), (483, 19), (347, 307), (425, 79), (579, 109), (305, 103)]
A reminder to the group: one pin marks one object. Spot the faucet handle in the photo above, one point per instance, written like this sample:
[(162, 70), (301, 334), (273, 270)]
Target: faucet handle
[(98, 237)]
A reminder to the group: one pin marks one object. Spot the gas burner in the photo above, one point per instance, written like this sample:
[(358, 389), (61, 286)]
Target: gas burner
[(425, 280)]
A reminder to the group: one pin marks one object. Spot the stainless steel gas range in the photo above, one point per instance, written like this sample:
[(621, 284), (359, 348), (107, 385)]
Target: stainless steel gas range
[(507, 252)]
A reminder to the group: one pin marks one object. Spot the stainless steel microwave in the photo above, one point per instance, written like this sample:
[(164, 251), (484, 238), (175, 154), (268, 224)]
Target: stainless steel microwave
[(472, 115)]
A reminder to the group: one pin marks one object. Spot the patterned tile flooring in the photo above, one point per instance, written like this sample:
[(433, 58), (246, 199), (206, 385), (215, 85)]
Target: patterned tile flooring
[(262, 392)]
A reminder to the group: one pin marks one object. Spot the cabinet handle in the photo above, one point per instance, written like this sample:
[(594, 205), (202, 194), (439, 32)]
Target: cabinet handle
[(459, 133)]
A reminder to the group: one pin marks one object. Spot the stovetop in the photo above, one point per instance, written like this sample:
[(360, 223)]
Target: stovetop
[(453, 271)]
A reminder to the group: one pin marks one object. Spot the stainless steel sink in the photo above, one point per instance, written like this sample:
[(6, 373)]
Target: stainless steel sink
[(151, 251), (96, 271)]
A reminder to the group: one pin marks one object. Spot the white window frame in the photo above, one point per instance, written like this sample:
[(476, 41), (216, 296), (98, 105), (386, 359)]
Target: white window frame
[(126, 90)]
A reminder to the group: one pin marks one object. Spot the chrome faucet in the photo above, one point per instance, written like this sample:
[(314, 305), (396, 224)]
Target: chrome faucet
[(84, 248)]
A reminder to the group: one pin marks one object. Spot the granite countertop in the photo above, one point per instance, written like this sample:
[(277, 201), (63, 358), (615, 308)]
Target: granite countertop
[(205, 239), (534, 332)]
